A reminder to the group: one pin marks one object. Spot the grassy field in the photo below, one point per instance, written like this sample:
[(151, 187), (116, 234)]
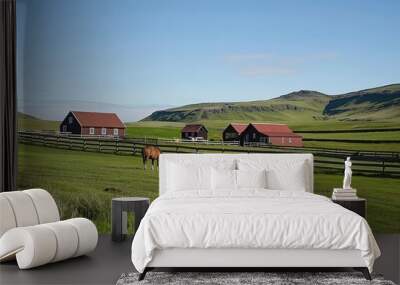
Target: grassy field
[(392, 135), (26, 122), (83, 184), (171, 130), (395, 147)]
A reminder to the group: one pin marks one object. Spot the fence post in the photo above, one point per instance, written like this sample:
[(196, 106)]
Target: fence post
[(99, 145), (84, 144), (116, 146), (383, 167)]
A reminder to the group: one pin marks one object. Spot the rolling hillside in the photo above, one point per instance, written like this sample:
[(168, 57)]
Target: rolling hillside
[(370, 104), (307, 103), (28, 122), (380, 104)]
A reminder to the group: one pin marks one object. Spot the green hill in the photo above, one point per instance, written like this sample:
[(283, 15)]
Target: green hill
[(23, 116), (28, 122), (370, 104), (302, 103), (376, 107)]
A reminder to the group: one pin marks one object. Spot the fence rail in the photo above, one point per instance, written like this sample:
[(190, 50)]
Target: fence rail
[(329, 160), (348, 131)]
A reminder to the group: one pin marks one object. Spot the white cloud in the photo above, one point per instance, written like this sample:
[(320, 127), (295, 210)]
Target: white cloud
[(269, 64)]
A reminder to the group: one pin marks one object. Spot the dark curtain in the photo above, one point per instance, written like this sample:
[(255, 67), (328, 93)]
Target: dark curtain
[(8, 125)]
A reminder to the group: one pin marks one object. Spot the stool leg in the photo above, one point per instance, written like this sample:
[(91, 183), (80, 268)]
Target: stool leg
[(116, 221), (140, 211)]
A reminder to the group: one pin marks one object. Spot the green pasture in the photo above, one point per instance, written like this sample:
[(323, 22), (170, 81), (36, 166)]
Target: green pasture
[(28, 123), (171, 130), (300, 123), (83, 184), (395, 147), (391, 135), (165, 130)]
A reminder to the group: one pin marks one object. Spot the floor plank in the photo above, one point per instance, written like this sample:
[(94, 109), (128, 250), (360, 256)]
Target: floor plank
[(110, 260)]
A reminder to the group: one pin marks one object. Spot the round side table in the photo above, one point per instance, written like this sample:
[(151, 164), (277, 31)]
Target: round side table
[(119, 213)]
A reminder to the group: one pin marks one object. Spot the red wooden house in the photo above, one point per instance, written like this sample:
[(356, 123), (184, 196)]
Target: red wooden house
[(275, 134), (93, 123), (233, 132), (194, 131)]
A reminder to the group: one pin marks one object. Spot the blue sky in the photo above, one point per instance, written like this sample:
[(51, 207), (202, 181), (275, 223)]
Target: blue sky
[(145, 55)]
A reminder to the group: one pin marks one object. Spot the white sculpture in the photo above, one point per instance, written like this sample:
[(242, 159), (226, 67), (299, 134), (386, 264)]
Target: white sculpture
[(347, 174)]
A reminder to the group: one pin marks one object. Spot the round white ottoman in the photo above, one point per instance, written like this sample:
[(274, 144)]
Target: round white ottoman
[(40, 244)]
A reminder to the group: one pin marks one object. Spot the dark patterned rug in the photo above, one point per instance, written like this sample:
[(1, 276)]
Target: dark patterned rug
[(275, 278)]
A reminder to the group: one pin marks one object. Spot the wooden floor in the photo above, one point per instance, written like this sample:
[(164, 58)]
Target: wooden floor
[(110, 260)]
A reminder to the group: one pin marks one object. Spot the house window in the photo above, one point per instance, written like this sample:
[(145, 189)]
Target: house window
[(115, 132), (262, 139), (283, 140), (254, 136), (290, 140), (103, 131), (91, 131), (70, 120), (64, 128)]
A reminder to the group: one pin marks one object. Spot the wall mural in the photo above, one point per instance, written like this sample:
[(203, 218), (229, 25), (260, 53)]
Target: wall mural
[(98, 82)]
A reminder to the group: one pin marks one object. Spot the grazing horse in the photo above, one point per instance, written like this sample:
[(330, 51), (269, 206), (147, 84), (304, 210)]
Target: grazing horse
[(150, 152)]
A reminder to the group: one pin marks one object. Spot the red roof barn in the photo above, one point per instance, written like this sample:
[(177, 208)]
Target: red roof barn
[(275, 134), (233, 132), (194, 131), (93, 123)]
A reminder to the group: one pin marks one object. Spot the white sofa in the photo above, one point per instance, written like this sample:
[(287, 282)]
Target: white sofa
[(31, 231)]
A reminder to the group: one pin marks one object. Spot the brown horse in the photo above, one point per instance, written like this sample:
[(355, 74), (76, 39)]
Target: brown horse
[(150, 152)]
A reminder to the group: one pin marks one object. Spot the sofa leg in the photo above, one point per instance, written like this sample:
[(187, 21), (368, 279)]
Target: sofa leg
[(143, 274), (364, 271)]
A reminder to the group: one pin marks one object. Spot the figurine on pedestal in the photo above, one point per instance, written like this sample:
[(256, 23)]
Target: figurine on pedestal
[(347, 174)]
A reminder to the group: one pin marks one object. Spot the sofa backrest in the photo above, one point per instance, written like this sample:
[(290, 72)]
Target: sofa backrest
[(26, 208), (255, 160)]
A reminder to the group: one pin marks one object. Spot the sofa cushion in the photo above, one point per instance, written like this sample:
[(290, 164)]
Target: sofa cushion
[(23, 208), (7, 220), (46, 207)]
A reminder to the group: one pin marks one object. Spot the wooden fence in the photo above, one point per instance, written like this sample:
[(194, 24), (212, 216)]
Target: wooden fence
[(326, 160)]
